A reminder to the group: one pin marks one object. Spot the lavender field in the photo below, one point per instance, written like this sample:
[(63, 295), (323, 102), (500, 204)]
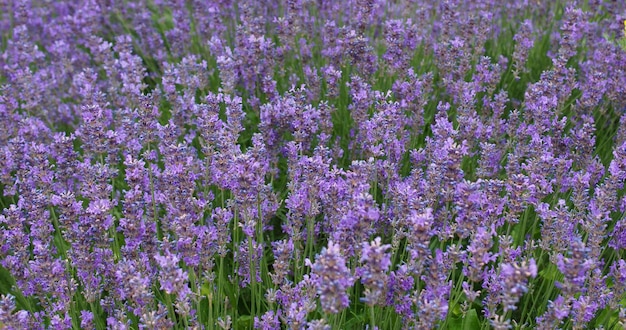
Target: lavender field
[(312, 164)]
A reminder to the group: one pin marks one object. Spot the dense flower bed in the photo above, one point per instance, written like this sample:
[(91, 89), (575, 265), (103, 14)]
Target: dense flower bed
[(312, 164)]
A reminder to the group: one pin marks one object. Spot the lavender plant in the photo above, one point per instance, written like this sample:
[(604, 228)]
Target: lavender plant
[(312, 164)]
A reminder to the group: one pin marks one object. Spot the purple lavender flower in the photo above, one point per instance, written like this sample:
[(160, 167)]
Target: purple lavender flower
[(509, 285), (174, 280), (373, 274), (269, 321), (332, 278), (297, 301), (479, 253), (86, 319), (283, 254), (243, 257), (401, 283), (523, 44)]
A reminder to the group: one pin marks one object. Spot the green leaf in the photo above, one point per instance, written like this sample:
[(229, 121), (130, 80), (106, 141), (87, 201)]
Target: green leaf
[(454, 323), (206, 290), (471, 321), (457, 311), (6, 281), (550, 272), (245, 322)]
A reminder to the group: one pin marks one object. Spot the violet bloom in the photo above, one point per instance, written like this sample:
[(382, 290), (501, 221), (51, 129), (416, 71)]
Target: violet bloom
[(175, 281), (269, 321), (401, 283), (283, 253), (376, 262), (86, 319), (513, 278), (296, 302), (332, 278), (524, 42)]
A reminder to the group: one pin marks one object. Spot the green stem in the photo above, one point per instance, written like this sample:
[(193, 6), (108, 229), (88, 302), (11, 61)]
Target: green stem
[(310, 234), (170, 308), (253, 283), (220, 308), (96, 313), (263, 268), (299, 260), (372, 318), (235, 264), (211, 318)]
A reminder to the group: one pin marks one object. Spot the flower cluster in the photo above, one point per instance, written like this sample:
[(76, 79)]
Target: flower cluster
[(312, 164)]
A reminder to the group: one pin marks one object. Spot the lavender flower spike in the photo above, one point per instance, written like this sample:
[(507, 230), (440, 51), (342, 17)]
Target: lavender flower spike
[(331, 278)]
